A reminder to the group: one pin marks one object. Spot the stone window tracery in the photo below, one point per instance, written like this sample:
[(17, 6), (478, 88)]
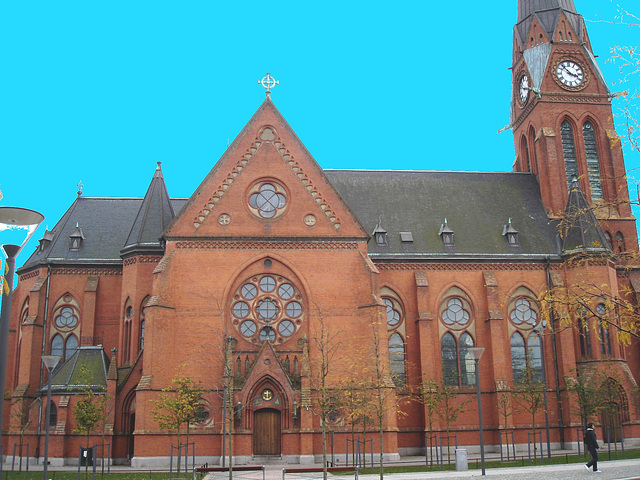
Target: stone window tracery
[(524, 312), (267, 199), (456, 312), (267, 307)]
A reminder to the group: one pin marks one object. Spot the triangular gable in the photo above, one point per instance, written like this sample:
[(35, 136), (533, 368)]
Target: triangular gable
[(266, 366), (266, 151)]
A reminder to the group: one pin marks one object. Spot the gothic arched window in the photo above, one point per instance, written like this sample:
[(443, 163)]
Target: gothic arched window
[(620, 243), (57, 345), (53, 414), (70, 346), (526, 356), (396, 359), (458, 367), (569, 152), (449, 359), (585, 337), (593, 162), (128, 315)]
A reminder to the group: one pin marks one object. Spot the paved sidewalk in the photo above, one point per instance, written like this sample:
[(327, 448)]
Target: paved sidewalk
[(613, 470)]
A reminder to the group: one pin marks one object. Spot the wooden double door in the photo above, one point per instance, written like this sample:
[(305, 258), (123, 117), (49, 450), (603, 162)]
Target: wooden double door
[(267, 432)]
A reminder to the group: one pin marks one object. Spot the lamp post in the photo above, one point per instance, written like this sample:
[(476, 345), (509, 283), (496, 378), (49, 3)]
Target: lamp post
[(17, 224), (476, 354), (50, 362)]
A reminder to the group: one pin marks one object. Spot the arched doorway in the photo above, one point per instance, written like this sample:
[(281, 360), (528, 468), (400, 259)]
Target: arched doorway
[(267, 432)]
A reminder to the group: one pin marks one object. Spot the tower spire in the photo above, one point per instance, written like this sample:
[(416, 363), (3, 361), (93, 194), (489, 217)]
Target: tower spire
[(528, 7)]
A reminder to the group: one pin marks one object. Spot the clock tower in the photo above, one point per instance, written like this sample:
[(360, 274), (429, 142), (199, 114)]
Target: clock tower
[(561, 117)]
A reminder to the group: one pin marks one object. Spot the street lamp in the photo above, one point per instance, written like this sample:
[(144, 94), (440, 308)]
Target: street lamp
[(476, 354), (17, 225), (50, 362)]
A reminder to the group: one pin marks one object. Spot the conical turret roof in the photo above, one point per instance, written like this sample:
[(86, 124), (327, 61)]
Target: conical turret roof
[(154, 216), (581, 231)]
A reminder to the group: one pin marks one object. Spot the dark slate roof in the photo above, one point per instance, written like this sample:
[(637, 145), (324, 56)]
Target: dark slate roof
[(476, 206), (72, 377), (581, 231), (527, 7), (154, 216), (547, 12), (106, 224)]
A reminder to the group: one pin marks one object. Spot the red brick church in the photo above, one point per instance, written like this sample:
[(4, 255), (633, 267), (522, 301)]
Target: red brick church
[(403, 271)]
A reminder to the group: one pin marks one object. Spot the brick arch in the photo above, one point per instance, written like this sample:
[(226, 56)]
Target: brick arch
[(252, 401)]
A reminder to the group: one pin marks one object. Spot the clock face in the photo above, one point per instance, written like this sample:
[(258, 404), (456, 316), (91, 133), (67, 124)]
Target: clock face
[(524, 88), (570, 73)]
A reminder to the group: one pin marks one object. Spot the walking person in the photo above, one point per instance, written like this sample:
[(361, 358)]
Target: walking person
[(591, 444)]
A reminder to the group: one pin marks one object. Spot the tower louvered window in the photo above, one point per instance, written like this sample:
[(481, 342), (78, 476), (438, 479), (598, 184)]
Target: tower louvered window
[(593, 163), (569, 152)]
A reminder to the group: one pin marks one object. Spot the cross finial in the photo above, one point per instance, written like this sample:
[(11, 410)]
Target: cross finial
[(268, 83), (80, 187)]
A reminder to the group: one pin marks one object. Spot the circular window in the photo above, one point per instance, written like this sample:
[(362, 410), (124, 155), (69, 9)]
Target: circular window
[(455, 313), (66, 318), (523, 313), (267, 308), (267, 199)]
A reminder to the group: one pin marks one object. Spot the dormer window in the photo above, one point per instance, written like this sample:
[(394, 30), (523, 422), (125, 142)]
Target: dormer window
[(380, 235), (76, 238), (446, 233), (511, 234), (45, 240)]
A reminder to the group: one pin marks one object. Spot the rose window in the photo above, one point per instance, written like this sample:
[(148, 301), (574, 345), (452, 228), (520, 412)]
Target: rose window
[(523, 313), (267, 200), (267, 307)]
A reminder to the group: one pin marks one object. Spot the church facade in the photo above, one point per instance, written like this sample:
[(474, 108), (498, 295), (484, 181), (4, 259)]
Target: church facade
[(280, 286)]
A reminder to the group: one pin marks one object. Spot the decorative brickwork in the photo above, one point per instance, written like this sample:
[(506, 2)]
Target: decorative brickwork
[(461, 267), (313, 245), (104, 272), (284, 153), (29, 275)]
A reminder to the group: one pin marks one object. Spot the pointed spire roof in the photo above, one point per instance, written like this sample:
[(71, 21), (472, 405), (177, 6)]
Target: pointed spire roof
[(528, 7), (581, 231), (547, 12), (154, 216)]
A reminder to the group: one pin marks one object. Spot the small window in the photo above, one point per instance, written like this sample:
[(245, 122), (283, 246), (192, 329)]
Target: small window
[(53, 414)]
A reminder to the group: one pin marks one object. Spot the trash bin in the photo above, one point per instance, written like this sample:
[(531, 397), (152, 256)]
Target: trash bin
[(461, 459), (86, 457)]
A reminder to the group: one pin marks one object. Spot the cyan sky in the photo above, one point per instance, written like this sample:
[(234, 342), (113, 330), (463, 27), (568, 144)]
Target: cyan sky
[(100, 91)]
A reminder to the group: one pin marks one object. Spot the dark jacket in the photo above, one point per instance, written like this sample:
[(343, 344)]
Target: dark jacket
[(590, 439)]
